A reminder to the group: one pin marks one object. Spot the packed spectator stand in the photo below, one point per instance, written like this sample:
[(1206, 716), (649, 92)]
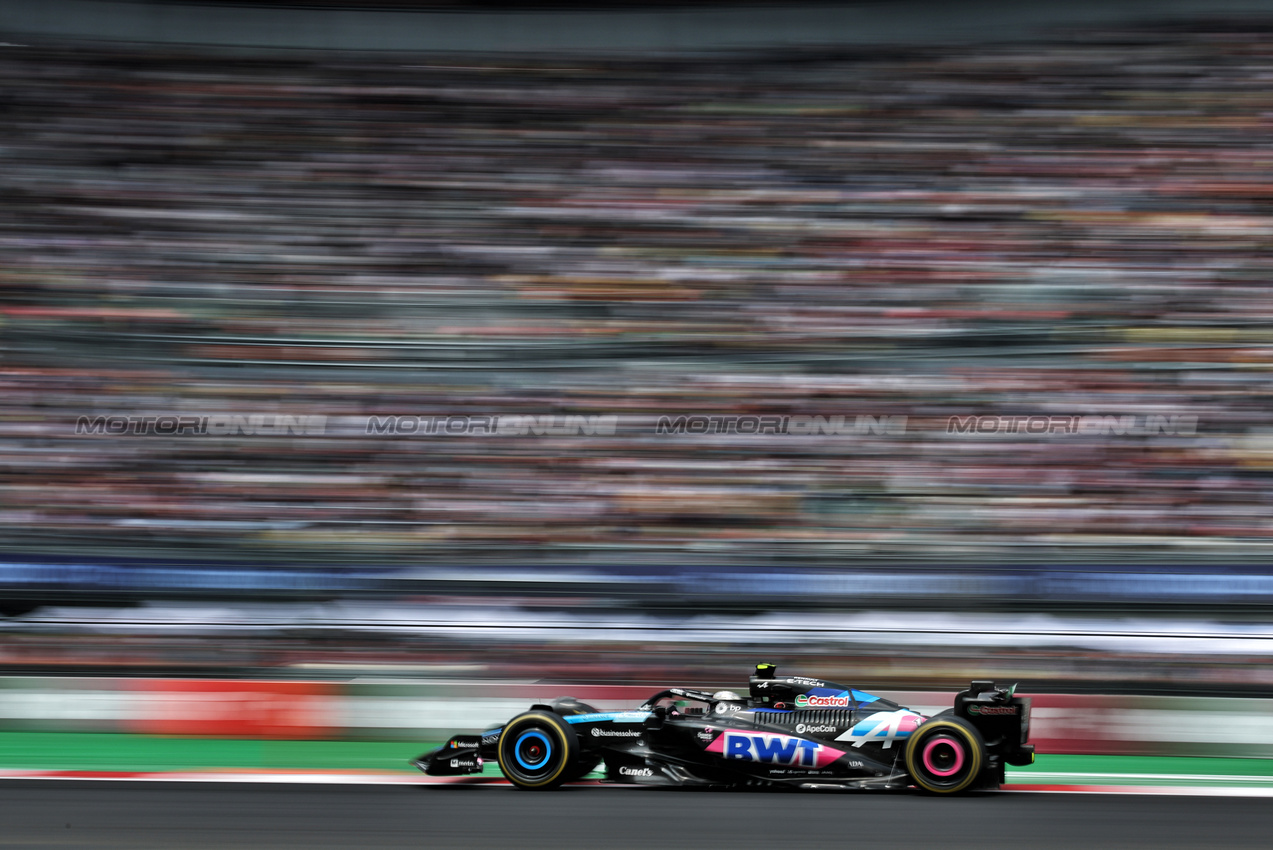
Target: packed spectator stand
[(1063, 228)]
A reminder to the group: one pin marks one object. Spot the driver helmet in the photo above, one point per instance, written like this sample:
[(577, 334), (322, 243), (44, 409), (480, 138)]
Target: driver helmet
[(727, 701)]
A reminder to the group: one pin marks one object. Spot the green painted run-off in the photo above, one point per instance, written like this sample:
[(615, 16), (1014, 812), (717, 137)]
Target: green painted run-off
[(123, 752), (150, 753)]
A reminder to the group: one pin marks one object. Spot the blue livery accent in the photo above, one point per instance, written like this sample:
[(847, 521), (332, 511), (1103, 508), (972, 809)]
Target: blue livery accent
[(826, 692), (771, 749), (613, 716), (861, 696), (517, 749)]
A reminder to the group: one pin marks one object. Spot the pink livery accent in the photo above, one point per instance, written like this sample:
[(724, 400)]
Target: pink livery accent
[(931, 767)]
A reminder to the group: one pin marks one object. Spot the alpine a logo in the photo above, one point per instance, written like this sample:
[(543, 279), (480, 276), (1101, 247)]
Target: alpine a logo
[(988, 710), (635, 771), (769, 748), (883, 727), (598, 732), (811, 701)]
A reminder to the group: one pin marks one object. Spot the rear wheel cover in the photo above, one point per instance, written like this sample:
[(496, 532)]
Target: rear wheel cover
[(945, 756), (535, 750)]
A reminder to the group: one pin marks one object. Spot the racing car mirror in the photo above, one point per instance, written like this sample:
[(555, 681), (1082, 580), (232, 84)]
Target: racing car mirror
[(657, 715)]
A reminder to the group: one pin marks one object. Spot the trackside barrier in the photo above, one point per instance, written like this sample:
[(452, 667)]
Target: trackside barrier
[(1060, 723)]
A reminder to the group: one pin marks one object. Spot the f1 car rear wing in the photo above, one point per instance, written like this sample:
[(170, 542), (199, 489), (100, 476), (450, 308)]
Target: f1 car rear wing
[(1002, 717)]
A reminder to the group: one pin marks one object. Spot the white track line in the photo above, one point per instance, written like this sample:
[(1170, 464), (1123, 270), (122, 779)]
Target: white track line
[(1021, 778), (335, 778), (1145, 790)]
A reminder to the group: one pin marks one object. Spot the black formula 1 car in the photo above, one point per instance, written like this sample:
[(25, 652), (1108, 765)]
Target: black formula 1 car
[(787, 732)]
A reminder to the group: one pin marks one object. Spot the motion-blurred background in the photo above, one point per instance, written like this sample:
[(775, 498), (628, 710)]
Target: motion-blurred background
[(280, 284)]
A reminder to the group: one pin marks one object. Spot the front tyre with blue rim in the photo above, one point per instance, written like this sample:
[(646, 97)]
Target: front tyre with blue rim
[(536, 750)]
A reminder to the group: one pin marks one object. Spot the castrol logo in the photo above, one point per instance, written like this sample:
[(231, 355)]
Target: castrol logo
[(810, 701), (986, 710)]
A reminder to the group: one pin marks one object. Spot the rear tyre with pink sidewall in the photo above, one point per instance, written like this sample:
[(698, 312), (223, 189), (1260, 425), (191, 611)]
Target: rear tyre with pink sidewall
[(946, 756)]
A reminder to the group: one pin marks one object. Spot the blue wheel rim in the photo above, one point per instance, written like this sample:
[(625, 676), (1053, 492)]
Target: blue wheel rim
[(548, 749)]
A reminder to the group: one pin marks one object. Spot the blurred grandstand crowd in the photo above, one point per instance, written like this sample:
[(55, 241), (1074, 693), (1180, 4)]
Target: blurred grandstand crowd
[(1073, 227)]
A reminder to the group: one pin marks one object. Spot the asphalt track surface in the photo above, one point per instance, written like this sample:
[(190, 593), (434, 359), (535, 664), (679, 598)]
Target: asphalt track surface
[(69, 814)]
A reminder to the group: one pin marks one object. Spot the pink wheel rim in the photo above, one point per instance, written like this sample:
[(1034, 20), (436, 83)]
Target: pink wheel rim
[(931, 766)]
